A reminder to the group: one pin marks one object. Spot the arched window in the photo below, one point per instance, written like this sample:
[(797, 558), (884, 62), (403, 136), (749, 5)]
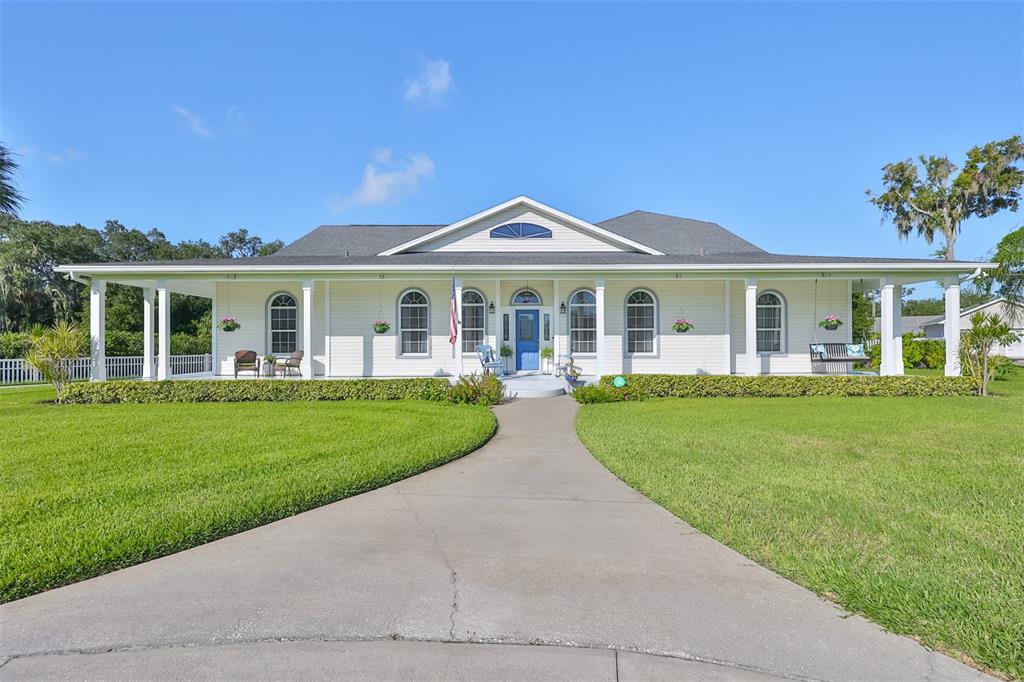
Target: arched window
[(526, 297), (284, 326), (583, 322), (413, 324), (770, 323), (520, 231), (473, 318), (640, 322)]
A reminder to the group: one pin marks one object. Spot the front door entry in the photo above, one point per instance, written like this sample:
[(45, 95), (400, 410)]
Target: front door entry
[(527, 339)]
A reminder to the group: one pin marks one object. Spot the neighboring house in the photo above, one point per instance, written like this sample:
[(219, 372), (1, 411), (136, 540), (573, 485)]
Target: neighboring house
[(908, 324), (528, 275), (935, 329)]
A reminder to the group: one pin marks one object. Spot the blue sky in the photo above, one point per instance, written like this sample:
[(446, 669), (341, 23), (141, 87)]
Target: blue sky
[(769, 118)]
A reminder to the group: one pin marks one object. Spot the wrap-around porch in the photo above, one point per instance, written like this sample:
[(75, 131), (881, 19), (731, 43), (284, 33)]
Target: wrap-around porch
[(608, 325)]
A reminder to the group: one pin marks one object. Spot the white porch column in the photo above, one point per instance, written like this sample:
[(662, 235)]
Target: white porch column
[(163, 367), (727, 326), (952, 327), (750, 327), (148, 296), (97, 329), (327, 328), (556, 325), (888, 294), (599, 296), (306, 366), (499, 326), (897, 329), (458, 328)]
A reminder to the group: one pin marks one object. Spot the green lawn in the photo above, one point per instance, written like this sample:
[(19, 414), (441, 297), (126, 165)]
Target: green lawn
[(907, 510), (86, 489)]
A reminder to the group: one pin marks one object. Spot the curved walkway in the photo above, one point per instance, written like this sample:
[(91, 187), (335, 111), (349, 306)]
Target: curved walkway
[(454, 574)]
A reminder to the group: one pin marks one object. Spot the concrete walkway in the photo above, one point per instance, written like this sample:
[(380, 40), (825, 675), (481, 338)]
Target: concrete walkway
[(526, 559)]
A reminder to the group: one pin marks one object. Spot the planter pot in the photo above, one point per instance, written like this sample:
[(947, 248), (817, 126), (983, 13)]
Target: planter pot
[(381, 328), (230, 327), (831, 326), (682, 328)]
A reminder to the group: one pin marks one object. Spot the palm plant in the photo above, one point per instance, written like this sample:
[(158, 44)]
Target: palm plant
[(10, 199), (978, 343), (53, 351)]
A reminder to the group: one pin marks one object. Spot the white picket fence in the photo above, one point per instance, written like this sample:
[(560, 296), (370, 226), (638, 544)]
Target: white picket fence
[(18, 371)]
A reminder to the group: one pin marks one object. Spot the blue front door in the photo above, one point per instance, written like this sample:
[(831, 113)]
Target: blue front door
[(527, 339)]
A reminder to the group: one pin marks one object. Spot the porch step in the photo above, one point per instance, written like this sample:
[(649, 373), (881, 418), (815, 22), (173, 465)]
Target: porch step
[(535, 386)]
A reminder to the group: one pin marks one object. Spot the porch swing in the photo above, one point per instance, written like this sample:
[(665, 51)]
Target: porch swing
[(836, 358)]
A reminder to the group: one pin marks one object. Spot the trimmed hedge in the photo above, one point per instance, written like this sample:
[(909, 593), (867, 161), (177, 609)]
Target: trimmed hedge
[(641, 386), (250, 390)]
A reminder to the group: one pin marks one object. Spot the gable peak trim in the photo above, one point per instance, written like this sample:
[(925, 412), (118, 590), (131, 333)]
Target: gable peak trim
[(534, 205)]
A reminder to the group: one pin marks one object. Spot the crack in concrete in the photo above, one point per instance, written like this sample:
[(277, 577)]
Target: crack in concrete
[(453, 574), (329, 639)]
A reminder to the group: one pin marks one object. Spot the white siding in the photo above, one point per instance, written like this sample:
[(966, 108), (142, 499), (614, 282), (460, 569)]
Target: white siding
[(476, 237), (247, 301), (712, 346), (804, 309)]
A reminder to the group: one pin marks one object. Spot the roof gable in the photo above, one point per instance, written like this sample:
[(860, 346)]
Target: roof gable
[(471, 234)]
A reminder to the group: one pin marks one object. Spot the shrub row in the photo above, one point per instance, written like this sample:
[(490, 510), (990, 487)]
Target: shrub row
[(917, 353), (212, 391), (641, 386)]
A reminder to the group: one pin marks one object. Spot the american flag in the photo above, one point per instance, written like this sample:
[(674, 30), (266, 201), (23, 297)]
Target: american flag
[(453, 327)]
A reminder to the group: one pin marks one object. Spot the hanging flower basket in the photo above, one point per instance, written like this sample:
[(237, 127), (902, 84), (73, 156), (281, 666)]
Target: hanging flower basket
[(831, 323), (682, 326), (381, 326), (229, 324)]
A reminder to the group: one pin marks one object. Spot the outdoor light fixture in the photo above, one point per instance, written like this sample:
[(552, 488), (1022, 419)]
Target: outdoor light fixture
[(490, 307), (561, 307)]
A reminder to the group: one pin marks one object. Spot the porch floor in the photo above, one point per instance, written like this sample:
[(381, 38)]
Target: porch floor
[(538, 384)]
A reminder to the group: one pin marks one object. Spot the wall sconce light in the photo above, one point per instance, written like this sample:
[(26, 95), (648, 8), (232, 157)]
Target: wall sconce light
[(490, 307), (561, 307)]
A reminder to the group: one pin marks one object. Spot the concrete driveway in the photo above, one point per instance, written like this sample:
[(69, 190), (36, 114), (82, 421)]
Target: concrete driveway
[(525, 559)]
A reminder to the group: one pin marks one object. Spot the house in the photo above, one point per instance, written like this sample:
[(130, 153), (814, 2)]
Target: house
[(908, 324), (936, 327), (528, 275)]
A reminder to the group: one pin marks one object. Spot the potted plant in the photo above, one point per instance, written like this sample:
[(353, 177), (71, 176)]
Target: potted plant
[(682, 325), (268, 364), (506, 354), (572, 371), (229, 324), (547, 353), (381, 326), (831, 322)]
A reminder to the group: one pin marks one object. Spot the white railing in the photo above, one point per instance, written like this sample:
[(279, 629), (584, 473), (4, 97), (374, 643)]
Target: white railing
[(18, 371)]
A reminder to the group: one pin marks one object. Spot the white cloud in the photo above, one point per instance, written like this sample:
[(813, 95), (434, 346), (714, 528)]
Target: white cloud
[(384, 180), (235, 121), (429, 87), (69, 154), (193, 122)]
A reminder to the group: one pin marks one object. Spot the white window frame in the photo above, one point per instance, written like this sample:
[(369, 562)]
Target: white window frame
[(512, 298), (782, 322), (401, 330), (569, 326), (270, 322), (483, 319), (654, 320)]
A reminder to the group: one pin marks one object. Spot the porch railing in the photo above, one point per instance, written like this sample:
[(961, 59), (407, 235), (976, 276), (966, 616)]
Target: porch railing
[(18, 371)]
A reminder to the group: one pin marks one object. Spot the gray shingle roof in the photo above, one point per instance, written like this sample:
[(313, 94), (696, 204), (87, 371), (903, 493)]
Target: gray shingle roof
[(670, 234), (357, 240)]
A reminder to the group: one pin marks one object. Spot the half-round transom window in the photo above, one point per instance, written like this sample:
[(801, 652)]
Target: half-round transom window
[(520, 231), (526, 297)]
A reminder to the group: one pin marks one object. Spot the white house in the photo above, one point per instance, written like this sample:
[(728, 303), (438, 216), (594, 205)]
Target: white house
[(528, 275), (936, 328)]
